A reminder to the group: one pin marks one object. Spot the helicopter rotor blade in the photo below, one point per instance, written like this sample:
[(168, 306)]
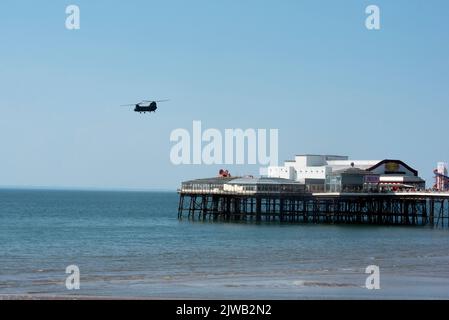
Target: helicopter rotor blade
[(164, 100), (127, 105)]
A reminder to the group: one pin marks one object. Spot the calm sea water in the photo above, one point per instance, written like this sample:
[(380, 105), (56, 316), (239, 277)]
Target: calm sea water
[(131, 244)]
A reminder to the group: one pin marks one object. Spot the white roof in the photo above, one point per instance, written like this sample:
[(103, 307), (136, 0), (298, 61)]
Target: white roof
[(361, 164), (263, 180), (395, 178)]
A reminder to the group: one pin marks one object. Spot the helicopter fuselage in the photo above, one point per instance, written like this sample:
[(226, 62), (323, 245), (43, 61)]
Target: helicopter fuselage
[(151, 108), (145, 109)]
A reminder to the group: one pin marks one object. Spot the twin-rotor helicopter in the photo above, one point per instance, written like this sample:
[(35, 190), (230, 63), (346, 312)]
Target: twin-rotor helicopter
[(145, 105)]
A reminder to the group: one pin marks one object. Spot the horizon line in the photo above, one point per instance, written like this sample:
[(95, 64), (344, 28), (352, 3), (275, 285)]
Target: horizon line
[(81, 188)]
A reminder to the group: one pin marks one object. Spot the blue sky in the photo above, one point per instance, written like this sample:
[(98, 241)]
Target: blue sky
[(309, 68)]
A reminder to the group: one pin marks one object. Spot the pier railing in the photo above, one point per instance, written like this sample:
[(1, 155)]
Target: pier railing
[(234, 192)]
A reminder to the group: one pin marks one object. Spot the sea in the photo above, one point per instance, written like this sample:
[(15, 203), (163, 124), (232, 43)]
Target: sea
[(131, 245)]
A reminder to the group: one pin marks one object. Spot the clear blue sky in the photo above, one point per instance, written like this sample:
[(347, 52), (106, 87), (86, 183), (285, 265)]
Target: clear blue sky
[(309, 68)]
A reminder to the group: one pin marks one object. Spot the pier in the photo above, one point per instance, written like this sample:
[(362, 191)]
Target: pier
[(276, 200)]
